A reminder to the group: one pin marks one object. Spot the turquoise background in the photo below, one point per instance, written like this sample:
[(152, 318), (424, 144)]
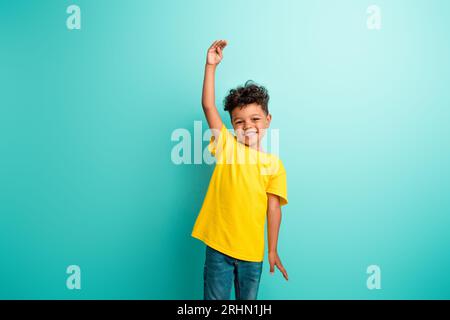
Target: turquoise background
[(86, 118)]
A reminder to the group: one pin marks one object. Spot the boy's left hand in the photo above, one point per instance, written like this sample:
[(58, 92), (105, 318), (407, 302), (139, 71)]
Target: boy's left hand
[(274, 260)]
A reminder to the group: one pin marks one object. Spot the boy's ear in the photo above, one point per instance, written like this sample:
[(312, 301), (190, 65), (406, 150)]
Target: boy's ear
[(268, 118)]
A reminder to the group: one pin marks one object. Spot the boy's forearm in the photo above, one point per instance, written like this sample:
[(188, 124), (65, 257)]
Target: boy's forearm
[(208, 95), (273, 227)]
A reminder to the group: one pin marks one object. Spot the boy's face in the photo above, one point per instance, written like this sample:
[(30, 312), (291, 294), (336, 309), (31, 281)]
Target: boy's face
[(250, 123)]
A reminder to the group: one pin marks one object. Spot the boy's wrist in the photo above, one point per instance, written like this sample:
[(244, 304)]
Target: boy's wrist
[(210, 66)]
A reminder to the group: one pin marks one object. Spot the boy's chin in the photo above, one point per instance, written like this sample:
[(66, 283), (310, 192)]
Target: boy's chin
[(251, 143)]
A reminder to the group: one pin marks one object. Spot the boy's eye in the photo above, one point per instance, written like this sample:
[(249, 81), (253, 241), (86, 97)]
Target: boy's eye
[(256, 119), (238, 122)]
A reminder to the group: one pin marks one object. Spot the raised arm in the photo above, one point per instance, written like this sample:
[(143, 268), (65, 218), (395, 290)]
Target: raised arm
[(213, 58)]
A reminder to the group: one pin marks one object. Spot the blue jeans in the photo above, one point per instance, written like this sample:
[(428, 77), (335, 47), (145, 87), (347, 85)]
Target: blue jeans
[(221, 270)]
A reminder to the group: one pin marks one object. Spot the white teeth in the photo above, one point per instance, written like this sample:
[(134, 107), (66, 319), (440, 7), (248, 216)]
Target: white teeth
[(250, 133)]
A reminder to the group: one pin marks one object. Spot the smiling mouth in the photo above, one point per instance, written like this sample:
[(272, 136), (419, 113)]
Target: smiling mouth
[(249, 134)]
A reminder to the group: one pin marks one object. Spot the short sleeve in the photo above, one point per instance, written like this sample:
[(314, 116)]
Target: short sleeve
[(278, 183), (216, 147)]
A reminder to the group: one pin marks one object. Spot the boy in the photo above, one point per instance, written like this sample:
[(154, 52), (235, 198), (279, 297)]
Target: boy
[(246, 185)]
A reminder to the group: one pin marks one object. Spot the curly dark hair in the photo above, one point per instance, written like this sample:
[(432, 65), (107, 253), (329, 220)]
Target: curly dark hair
[(247, 94)]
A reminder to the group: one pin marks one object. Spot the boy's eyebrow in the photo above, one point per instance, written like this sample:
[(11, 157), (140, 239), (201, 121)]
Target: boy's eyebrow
[(252, 115)]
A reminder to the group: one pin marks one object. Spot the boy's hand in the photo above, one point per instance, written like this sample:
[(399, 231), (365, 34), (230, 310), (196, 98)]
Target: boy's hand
[(215, 55), (274, 260)]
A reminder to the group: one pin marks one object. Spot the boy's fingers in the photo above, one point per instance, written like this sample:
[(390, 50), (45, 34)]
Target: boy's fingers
[(272, 269), (283, 270), (285, 275), (218, 43), (213, 44)]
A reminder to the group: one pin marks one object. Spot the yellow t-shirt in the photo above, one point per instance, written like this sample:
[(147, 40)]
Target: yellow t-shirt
[(233, 214)]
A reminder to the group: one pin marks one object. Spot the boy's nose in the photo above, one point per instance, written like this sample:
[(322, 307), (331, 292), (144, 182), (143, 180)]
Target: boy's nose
[(247, 125)]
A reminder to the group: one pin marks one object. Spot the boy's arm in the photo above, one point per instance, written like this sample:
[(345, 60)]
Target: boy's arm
[(214, 56), (273, 226)]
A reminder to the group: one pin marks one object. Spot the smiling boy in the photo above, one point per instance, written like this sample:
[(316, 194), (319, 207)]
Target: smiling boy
[(246, 187)]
